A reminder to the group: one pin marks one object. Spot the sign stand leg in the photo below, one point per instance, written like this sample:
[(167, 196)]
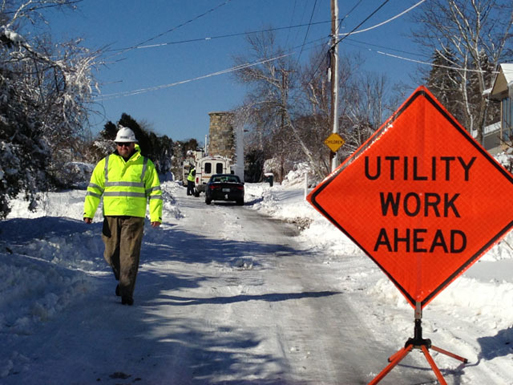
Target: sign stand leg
[(417, 342)]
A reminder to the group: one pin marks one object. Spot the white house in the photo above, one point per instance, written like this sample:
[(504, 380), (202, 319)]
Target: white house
[(501, 134)]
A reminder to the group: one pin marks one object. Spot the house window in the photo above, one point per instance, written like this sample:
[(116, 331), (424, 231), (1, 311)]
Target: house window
[(507, 119)]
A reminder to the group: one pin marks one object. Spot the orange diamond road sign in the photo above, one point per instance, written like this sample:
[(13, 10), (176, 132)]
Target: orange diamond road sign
[(421, 198), (334, 142)]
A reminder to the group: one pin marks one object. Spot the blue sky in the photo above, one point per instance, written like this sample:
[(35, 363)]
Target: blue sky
[(181, 111)]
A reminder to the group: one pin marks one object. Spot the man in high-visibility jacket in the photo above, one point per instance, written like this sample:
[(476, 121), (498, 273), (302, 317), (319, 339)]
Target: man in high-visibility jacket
[(190, 180), (126, 180)]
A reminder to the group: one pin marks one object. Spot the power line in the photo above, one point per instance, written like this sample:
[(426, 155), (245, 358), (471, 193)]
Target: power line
[(354, 29), (237, 68), (307, 31), (322, 58), (351, 11), (359, 43), (431, 64), (386, 21), (177, 27), (363, 22), (156, 88), (208, 38), (291, 18), (222, 72)]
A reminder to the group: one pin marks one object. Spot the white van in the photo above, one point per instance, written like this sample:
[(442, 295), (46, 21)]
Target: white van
[(208, 166)]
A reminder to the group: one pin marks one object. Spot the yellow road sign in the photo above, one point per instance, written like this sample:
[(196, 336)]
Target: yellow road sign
[(334, 142)]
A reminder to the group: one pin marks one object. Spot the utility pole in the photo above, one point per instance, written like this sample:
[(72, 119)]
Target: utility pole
[(334, 76), (284, 96)]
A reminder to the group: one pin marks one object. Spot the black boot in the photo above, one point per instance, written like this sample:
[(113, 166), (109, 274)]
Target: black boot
[(126, 300)]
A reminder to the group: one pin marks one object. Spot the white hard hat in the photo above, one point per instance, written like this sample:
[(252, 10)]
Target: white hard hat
[(125, 135)]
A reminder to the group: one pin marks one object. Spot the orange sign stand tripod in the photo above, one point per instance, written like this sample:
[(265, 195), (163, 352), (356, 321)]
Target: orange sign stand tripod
[(417, 342)]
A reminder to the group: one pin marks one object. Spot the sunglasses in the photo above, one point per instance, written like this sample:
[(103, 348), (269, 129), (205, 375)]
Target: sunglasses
[(123, 144)]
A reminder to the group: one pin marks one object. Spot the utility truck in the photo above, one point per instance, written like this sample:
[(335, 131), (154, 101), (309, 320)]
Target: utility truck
[(208, 166)]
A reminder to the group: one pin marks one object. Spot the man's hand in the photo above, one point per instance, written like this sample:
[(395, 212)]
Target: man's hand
[(88, 220), (155, 224)]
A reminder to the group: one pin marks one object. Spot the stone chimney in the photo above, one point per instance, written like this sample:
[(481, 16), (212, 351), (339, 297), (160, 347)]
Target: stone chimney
[(222, 135)]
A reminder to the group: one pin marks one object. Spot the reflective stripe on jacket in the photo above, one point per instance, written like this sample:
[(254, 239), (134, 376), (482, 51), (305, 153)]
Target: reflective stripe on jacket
[(125, 186)]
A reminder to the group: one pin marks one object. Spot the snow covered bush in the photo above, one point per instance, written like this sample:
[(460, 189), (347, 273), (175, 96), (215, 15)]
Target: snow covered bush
[(76, 175), (23, 157)]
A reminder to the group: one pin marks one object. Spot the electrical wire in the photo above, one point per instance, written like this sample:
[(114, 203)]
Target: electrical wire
[(248, 65), (347, 14), (222, 72), (432, 64), (156, 88), (363, 22), (307, 31), (354, 29), (224, 36), (322, 58), (237, 68), (291, 18), (359, 44), (208, 38), (177, 27), (384, 22)]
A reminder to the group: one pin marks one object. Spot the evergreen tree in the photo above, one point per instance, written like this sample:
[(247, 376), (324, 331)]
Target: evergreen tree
[(142, 136), (109, 131), (444, 82), (158, 148)]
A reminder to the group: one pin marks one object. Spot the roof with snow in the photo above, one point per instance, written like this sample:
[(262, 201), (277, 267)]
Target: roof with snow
[(503, 85)]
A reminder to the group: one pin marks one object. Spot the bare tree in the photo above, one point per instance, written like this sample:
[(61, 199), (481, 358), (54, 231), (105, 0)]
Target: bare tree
[(472, 36), (362, 108), (274, 84), (289, 105), (363, 104)]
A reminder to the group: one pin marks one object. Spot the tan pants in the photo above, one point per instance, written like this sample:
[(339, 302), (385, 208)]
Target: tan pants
[(122, 237)]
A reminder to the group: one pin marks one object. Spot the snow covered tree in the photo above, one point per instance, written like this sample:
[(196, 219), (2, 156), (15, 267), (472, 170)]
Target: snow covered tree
[(45, 89), (472, 37)]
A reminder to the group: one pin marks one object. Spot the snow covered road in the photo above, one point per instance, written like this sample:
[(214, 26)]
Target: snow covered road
[(225, 295)]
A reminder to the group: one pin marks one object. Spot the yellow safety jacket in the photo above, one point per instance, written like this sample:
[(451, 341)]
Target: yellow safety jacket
[(191, 175), (125, 186)]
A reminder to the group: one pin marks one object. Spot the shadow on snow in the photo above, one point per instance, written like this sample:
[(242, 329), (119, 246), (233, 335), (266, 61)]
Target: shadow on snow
[(137, 341)]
